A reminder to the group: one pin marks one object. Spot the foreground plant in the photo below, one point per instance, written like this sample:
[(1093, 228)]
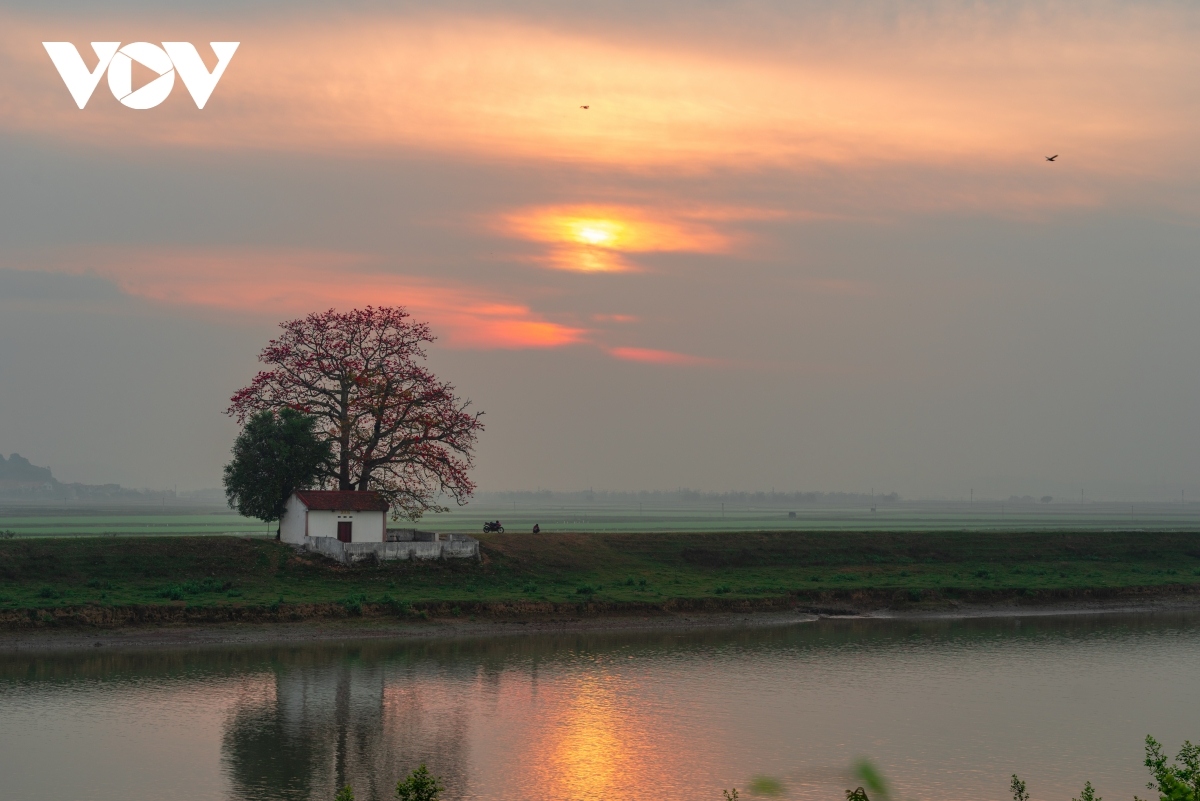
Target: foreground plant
[(1019, 793), (420, 786), (766, 785), (1179, 781), (1017, 788), (871, 777)]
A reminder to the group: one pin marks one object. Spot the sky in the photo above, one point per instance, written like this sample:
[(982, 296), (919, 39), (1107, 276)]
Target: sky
[(794, 245)]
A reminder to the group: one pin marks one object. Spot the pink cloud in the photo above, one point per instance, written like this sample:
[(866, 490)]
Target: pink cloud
[(651, 356), (291, 282)]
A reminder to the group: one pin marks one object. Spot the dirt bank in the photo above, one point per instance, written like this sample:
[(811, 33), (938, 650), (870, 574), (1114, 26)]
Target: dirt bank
[(181, 626)]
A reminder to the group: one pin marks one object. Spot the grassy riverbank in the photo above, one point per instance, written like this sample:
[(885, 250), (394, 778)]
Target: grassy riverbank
[(161, 578)]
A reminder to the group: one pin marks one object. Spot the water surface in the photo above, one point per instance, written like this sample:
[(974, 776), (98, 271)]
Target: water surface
[(947, 709)]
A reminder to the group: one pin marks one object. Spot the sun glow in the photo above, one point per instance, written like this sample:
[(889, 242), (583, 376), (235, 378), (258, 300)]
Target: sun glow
[(591, 239)]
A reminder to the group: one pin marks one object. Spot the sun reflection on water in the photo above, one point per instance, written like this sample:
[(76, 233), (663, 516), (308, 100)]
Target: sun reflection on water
[(596, 746)]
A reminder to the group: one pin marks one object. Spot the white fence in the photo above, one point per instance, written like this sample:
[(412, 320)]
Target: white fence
[(436, 546)]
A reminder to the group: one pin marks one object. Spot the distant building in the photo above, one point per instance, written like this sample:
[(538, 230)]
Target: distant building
[(344, 515)]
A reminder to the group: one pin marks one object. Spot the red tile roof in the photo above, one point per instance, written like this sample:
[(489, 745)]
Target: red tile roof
[(342, 501)]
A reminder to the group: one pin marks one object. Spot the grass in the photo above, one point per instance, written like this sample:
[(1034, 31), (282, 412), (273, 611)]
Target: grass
[(50, 573)]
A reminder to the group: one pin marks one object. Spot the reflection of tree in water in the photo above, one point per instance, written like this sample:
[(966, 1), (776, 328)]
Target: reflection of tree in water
[(345, 721)]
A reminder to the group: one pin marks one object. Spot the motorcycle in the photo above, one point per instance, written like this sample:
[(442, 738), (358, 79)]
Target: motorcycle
[(493, 527)]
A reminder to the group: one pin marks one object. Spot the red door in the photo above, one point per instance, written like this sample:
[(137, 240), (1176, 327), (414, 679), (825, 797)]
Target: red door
[(344, 531)]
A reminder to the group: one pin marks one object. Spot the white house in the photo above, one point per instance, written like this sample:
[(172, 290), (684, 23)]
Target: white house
[(348, 516)]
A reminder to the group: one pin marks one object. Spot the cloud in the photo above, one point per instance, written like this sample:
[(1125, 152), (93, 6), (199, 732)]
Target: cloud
[(283, 282), (955, 87), (838, 286), (665, 357), (54, 287)]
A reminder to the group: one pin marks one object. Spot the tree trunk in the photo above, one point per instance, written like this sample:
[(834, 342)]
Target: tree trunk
[(364, 481), (344, 444)]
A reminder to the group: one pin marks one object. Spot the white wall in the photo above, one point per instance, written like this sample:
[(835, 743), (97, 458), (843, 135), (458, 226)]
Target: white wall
[(466, 548), (291, 525), (367, 526)]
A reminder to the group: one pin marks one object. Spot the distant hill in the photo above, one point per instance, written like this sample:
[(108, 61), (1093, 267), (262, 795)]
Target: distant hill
[(18, 469), (22, 480)]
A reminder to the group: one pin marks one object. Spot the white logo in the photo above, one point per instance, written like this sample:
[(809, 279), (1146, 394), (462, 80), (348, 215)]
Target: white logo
[(172, 57)]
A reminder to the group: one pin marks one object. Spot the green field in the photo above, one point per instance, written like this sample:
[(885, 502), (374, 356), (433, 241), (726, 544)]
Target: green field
[(64, 520), (609, 568), (906, 516), (89, 521)]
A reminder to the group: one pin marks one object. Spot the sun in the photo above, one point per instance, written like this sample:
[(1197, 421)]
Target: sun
[(594, 236), (599, 233)]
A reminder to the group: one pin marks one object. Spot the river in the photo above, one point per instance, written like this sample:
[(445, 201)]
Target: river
[(945, 709)]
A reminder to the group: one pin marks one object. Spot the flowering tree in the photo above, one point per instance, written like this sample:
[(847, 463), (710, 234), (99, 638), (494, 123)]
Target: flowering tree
[(394, 427)]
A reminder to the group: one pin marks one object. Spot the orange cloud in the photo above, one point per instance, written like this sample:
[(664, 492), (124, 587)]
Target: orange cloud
[(290, 282), (650, 356), (953, 87)]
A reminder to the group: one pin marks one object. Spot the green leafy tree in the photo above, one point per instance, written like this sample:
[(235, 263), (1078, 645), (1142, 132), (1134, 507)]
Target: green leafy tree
[(1088, 794), (1179, 781), (345, 794), (420, 786), (276, 454)]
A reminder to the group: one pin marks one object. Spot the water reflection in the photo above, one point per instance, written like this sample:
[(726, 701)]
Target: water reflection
[(344, 719), (591, 745), (949, 709)]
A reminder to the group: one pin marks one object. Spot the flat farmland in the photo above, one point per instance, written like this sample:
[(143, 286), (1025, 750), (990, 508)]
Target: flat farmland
[(42, 521), (91, 521), (904, 516)]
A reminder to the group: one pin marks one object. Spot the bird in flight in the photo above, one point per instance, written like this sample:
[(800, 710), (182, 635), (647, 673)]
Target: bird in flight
[(1052, 158), (585, 107)]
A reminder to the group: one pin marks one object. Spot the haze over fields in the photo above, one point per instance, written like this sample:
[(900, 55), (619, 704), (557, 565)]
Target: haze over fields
[(804, 246)]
